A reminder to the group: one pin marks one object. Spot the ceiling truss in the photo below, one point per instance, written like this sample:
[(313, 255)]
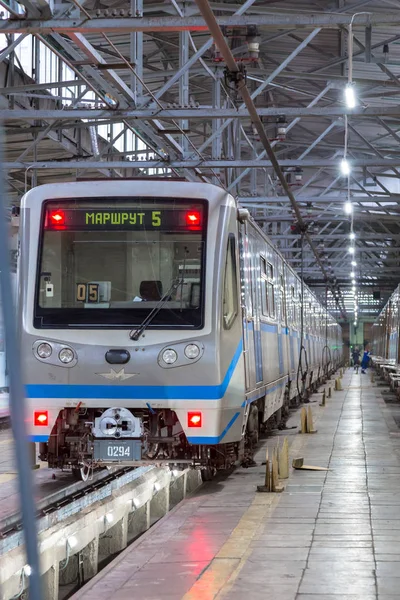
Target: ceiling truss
[(115, 90)]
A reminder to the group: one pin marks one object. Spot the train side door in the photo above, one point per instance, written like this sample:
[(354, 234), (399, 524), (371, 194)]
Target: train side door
[(283, 327), (251, 344), (396, 302), (257, 308)]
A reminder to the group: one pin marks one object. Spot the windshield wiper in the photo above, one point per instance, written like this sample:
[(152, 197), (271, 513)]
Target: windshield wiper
[(135, 334)]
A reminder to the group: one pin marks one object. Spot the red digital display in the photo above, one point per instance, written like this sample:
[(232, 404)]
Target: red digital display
[(129, 219)]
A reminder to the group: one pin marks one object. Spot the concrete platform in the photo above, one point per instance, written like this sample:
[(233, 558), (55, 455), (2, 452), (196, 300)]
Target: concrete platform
[(329, 535)]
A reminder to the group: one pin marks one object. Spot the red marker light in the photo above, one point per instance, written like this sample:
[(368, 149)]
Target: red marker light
[(193, 219), (41, 418), (194, 419), (57, 217)]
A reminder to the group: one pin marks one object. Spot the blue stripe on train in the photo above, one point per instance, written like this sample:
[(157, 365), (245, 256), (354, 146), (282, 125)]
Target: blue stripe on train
[(144, 392), (203, 439)]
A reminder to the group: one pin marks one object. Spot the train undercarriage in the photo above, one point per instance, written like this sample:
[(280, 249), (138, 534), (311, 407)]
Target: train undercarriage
[(86, 439)]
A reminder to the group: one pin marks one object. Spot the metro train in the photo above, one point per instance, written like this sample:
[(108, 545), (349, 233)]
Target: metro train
[(158, 324), (385, 331)]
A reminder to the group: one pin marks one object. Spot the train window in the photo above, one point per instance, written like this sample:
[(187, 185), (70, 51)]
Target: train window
[(109, 262), (267, 286), (283, 299), (263, 267), (230, 299)]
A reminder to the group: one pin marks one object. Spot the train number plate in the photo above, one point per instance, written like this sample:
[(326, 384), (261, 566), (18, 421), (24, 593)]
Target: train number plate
[(113, 450)]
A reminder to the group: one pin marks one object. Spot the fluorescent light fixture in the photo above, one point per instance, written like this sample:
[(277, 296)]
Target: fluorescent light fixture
[(350, 95), (348, 208), (345, 167)]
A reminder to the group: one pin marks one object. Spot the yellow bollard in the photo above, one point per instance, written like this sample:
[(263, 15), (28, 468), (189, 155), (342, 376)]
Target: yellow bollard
[(339, 387), (284, 460), (267, 482), (310, 423), (303, 420), (275, 485)]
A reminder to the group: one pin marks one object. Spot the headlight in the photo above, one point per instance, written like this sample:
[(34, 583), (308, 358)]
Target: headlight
[(192, 351), (169, 356), (66, 355), (44, 350)]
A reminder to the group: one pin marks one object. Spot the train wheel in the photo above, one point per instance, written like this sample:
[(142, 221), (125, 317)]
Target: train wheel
[(81, 473)]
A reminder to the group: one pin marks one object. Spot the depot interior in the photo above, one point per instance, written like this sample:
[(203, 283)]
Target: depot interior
[(121, 101)]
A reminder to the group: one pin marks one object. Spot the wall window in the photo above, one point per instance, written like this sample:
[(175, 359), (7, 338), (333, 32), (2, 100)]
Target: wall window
[(230, 299), (267, 287)]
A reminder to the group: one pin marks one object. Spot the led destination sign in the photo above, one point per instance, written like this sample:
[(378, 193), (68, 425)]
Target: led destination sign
[(165, 219)]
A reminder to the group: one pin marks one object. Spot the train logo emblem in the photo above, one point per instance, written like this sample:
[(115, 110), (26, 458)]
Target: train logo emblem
[(121, 375)]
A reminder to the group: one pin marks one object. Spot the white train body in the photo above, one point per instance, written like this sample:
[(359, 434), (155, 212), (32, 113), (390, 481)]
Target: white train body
[(96, 259)]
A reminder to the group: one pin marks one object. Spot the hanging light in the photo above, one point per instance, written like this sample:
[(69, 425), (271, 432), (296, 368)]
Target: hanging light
[(351, 249), (348, 208), (352, 235), (353, 263), (350, 95), (345, 167), (352, 274)]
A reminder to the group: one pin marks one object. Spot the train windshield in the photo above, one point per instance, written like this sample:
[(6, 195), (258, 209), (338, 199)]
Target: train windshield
[(109, 262)]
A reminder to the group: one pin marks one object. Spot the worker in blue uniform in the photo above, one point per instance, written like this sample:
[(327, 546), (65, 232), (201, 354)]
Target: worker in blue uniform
[(365, 360)]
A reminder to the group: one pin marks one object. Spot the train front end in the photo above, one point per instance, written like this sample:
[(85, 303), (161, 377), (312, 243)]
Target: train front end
[(121, 314)]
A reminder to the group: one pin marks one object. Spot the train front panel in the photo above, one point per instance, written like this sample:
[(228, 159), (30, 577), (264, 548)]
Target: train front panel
[(130, 321)]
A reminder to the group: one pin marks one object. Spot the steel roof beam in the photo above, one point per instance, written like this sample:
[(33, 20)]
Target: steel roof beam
[(200, 113), (199, 163), (195, 23), (266, 200), (339, 236)]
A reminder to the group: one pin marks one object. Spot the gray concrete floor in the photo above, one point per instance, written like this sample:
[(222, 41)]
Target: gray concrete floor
[(329, 535)]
